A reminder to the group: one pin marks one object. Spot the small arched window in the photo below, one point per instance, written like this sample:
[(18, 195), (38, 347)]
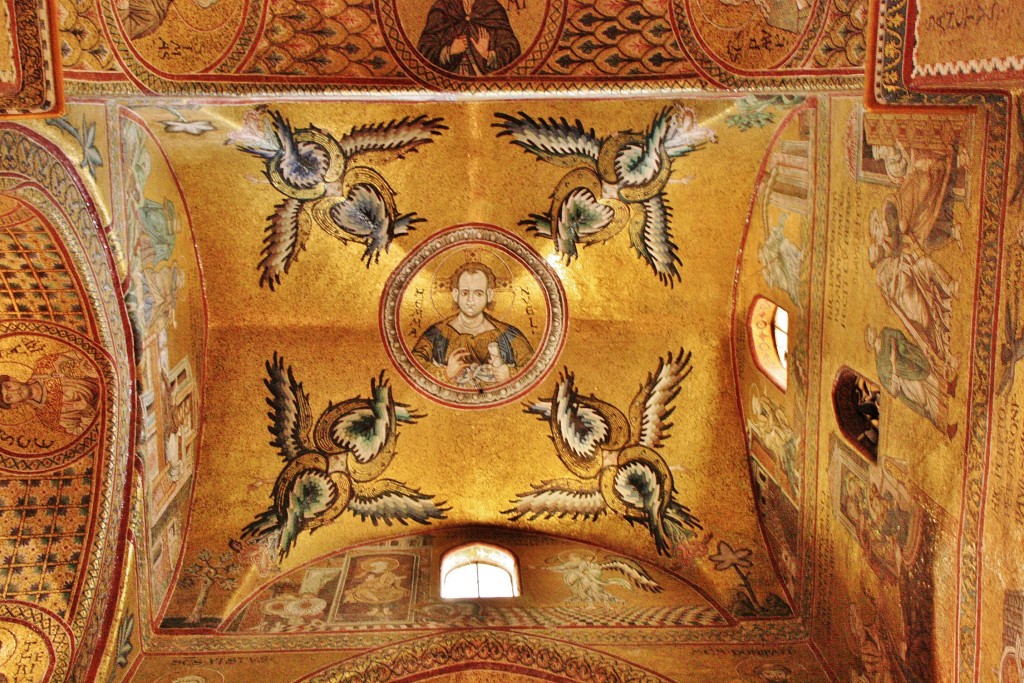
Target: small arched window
[(855, 402), (479, 570), (769, 339)]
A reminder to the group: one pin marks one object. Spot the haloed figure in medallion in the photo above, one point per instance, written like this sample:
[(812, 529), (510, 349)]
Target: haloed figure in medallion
[(468, 37), (472, 348), (63, 392)]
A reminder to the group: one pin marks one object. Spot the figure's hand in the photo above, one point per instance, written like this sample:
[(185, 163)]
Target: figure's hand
[(458, 361), (458, 46), (484, 374), (501, 372), (482, 43)]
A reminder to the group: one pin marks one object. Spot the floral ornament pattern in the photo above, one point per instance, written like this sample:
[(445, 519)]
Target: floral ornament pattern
[(755, 111), (124, 645), (746, 603), (727, 558), (85, 136)]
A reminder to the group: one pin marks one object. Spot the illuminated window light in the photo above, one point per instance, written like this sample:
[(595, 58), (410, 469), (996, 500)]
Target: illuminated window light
[(780, 330), (768, 334), (479, 570)]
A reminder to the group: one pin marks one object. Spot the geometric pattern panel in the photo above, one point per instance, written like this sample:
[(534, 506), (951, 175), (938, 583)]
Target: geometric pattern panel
[(45, 522), (33, 272)]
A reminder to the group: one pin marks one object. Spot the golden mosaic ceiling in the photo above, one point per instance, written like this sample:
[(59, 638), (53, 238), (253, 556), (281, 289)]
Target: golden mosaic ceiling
[(298, 296)]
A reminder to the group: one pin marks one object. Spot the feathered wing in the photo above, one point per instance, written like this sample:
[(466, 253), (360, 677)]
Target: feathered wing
[(285, 238), (388, 501), (638, 486), (652, 240), (580, 217), (368, 431), (651, 408), (289, 411), (580, 426), (553, 140), (637, 575), (559, 498), (639, 164), (644, 484), (679, 521), (394, 138), (365, 218), (303, 164), (309, 493), (362, 215)]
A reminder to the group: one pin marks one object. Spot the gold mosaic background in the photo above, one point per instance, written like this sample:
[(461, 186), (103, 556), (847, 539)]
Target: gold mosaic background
[(179, 291)]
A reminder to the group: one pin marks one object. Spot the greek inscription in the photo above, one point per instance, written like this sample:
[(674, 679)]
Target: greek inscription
[(415, 328), (758, 40), (167, 49), (530, 311), (967, 16)]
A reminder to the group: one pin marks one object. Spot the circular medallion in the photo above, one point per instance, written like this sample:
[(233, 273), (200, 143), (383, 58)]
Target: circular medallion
[(26, 654), (52, 393), (752, 35), (473, 317)]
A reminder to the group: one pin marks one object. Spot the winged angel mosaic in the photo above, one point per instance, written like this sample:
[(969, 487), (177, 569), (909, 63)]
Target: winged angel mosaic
[(335, 465), (616, 182), (325, 181), (613, 458)]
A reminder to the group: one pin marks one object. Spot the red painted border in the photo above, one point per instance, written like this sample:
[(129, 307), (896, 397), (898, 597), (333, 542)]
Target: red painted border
[(125, 495)]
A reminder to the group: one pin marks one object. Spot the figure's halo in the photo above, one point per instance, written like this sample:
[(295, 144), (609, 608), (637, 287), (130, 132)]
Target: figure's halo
[(447, 264), (366, 565)]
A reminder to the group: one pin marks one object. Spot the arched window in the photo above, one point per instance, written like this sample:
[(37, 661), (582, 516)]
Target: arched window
[(479, 570), (769, 339), (855, 401)]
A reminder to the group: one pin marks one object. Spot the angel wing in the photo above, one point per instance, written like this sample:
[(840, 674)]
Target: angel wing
[(652, 241), (647, 488), (637, 575), (387, 500), (393, 139), (581, 427), (650, 410), (579, 218), (559, 498), (300, 497), (637, 164), (285, 238), (555, 141), (303, 164), (289, 411)]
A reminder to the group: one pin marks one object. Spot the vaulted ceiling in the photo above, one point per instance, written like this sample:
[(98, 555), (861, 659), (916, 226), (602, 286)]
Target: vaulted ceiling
[(298, 296)]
